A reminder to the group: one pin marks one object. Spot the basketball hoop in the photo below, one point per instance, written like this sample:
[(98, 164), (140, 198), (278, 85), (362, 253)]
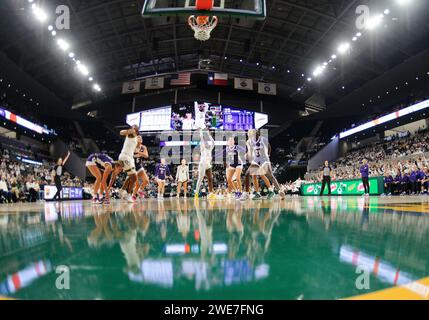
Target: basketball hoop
[(202, 26)]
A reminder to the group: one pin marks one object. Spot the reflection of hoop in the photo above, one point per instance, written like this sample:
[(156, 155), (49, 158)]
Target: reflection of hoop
[(202, 26)]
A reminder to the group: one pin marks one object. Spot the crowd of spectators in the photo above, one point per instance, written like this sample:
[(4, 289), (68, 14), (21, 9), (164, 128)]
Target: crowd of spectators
[(402, 159), (24, 182)]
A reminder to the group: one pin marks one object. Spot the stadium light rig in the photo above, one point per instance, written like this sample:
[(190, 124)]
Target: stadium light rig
[(41, 15)]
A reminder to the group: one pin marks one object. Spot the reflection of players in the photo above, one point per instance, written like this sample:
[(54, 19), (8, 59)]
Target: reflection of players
[(200, 115)]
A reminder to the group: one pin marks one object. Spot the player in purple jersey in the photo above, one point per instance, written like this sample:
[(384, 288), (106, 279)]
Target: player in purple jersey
[(162, 173), (100, 165)]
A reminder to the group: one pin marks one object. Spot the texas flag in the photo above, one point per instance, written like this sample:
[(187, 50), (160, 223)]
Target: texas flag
[(218, 79)]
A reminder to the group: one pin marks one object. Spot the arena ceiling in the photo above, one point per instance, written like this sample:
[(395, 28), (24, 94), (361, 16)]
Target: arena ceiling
[(119, 45)]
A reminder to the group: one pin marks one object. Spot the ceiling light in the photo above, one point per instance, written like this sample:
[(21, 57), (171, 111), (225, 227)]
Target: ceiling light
[(39, 13), (344, 47), (96, 87), (83, 69), (374, 22), (318, 71), (64, 45)]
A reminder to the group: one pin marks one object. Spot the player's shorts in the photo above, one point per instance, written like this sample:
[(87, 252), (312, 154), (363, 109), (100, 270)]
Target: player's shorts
[(238, 165), (128, 163), (182, 181), (160, 180), (261, 165), (99, 160)]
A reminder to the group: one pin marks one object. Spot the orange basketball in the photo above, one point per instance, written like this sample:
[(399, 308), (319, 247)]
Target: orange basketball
[(201, 20)]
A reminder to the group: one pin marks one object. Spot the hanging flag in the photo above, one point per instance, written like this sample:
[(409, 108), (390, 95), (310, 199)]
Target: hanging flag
[(154, 83), (131, 87), (267, 88), (217, 79), (243, 84), (181, 79)]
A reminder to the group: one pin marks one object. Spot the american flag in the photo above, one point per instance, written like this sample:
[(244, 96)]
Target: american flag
[(181, 79)]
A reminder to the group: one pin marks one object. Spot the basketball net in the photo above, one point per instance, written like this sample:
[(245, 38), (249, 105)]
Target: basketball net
[(203, 25)]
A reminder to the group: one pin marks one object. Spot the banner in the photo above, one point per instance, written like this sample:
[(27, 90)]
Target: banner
[(181, 79), (217, 79), (267, 88), (154, 83), (131, 87), (243, 84), (345, 188)]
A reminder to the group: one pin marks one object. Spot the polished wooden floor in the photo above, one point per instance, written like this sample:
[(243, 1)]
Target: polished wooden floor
[(299, 248)]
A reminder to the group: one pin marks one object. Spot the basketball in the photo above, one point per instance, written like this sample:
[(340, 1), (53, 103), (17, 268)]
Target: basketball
[(202, 20)]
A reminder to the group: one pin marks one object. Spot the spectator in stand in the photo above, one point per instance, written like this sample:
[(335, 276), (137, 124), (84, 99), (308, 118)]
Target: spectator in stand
[(5, 194)]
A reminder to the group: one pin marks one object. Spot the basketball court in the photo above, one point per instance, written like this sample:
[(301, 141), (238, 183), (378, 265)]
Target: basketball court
[(301, 248)]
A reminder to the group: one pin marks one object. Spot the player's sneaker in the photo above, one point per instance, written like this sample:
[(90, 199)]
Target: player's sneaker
[(132, 199), (238, 195), (94, 200), (257, 196), (270, 195), (245, 196), (282, 195), (211, 196), (123, 194)]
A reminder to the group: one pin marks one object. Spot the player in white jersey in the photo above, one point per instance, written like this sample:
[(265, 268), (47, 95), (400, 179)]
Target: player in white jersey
[(258, 150), (127, 158), (200, 115), (205, 165), (182, 178)]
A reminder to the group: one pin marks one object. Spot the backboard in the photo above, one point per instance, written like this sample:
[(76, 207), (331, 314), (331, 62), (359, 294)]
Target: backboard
[(254, 9)]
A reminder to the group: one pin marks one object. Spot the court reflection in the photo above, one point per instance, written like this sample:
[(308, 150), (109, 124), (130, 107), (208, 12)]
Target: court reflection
[(304, 248)]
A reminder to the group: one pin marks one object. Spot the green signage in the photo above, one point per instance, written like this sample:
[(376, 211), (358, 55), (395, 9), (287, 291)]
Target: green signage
[(345, 188)]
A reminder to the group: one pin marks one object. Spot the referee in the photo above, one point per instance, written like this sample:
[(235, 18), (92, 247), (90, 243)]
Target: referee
[(326, 178), (58, 173)]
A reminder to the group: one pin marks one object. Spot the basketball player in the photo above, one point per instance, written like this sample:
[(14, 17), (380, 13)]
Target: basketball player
[(162, 173), (260, 164), (140, 154), (205, 165), (127, 158), (200, 115), (234, 166), (182, 178), (100, 165)]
